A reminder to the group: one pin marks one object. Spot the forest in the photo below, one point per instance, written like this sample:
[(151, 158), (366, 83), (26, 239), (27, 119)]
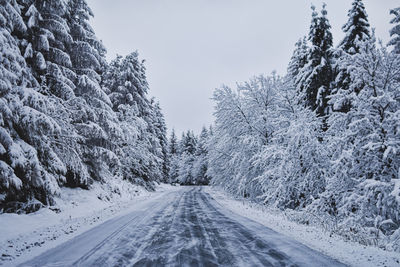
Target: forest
[(323, 140), (68, 117)]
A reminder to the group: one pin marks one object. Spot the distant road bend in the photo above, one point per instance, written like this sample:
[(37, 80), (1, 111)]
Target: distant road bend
[(186, 227)]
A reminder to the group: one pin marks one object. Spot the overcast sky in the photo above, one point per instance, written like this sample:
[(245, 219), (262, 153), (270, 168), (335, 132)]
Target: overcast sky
[(194, 46)]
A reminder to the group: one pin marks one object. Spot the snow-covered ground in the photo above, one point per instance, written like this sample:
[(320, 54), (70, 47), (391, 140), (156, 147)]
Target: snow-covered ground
[(350, 253), (27, 235)]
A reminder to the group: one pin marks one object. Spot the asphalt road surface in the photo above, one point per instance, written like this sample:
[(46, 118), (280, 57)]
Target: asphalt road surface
[(186, 227)]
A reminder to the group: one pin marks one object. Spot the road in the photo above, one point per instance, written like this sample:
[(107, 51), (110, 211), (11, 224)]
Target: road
[(185, 227)]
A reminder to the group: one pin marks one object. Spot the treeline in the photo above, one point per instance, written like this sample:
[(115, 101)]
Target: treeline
[(324, 139), (189, 158), (67, 117)]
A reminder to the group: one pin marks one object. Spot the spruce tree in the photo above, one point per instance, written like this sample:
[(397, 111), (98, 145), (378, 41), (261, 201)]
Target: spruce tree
[(173, 143), (315, 77), (63, 120), (189, 143), (363, 142), (187, 157), (200, 164), (49, 38), (161, 133), (356, 31), (395, 31), (46, 47), (29, 168), (143, 145), (173, 151), (298, 59), (96, 122)]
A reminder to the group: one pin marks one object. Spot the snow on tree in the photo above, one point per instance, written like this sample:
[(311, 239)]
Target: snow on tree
[(58, 126), (11, 69), (142, 148), (29, 167), (188, 150), (294, 161), (200, 164), (46, 44), (364, 144), (173, 143), (173, 154), (314, 79), (189, 160), (245, 122), (395, 31), (48, 36), (268, 146), (100, 125), (299, 58), (356, 30), (161, 133)]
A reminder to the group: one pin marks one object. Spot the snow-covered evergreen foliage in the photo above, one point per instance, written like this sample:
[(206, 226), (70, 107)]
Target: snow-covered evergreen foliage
[(299, 58), (315, 78), (62, 122), (29, 166), (395, 31), (356, 31), (189, 158), (173, 154), (364, 143), (200, 164)]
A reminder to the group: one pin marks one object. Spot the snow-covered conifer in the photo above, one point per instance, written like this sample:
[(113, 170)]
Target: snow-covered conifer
[(173, 152), (364, 143), (395, 31), (356, 31), (200, 164), (299, 58), (314, 79), (29, 167)]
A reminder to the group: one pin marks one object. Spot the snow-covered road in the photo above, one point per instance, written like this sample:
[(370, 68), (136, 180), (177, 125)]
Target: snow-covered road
[(185, 227)]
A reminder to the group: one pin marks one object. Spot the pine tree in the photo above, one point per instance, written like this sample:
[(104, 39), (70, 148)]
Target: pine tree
[(98, 124), (364, 141), (189, 143), (11, 69), (173, 143), (200, 164), (161, 133), (47, 49), (356, 31), (395, 31), (315, 77), (29, 169), (174, 156), (64, 121), (143, 149), (299, 58), (187, 157)]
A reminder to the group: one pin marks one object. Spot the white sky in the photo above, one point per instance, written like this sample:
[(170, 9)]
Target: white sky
[(194, 46)]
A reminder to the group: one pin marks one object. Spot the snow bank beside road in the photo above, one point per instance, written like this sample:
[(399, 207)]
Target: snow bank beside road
[(27, 235), (350, 253)]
